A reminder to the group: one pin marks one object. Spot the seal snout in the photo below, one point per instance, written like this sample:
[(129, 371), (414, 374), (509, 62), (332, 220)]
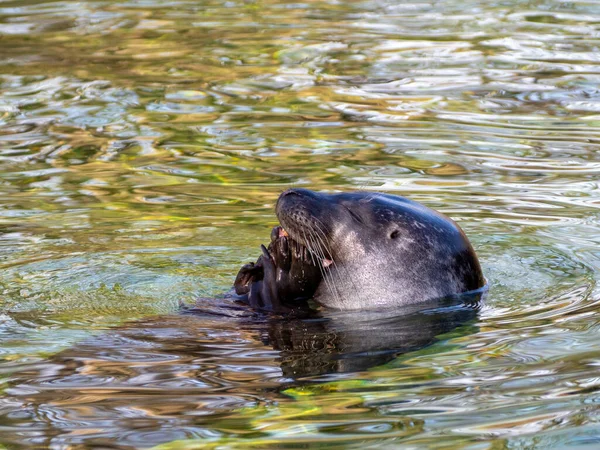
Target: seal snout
[(291, 192), (295, 194), (302, 213), (289, 201), (295, 207)]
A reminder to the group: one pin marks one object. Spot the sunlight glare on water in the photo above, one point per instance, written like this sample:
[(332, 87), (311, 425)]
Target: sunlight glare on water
[(143, 145)]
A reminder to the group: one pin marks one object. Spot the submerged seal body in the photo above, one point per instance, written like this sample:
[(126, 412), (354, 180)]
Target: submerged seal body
[(371, 250)]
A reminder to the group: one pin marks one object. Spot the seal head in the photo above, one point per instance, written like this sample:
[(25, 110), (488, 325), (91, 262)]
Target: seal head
[(379, 250)]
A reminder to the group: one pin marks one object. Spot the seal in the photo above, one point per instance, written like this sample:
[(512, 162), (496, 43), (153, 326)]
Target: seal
[(371, 250)]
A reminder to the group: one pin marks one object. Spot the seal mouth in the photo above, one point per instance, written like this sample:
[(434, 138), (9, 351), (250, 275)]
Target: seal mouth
[(280, 233)]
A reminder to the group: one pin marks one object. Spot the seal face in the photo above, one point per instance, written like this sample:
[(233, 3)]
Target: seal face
[(378, 250)]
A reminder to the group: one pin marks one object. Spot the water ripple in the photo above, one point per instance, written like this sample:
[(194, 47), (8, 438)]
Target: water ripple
[(143, 146)]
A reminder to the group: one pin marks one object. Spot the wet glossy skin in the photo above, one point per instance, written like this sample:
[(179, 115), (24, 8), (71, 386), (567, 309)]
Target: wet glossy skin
[(359, 251), (386, 250)]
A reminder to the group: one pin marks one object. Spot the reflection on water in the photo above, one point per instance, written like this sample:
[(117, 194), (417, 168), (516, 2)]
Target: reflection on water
[(136, 381), (142, 147)]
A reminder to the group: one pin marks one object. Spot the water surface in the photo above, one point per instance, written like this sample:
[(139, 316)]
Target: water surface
[(143, 145)]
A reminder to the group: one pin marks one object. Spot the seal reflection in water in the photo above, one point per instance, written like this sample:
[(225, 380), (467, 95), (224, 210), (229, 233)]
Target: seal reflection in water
[(358, 251), (347, 341)]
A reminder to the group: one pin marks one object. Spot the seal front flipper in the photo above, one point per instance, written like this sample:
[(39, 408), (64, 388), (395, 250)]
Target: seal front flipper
[(283, 277), (248, 274), (271, 300), (262, 290)]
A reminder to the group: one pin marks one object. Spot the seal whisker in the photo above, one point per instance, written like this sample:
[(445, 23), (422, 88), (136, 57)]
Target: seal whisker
[(321, 237), (313, 246), (334, 263), (328, 274), (318, 251), (330, 284), (311, 252)]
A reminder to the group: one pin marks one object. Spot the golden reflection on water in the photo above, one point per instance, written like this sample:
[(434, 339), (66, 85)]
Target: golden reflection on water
[(142, 148)]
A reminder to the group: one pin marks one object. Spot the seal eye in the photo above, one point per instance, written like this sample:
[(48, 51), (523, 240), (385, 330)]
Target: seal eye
[(394, 234), (354, 215)]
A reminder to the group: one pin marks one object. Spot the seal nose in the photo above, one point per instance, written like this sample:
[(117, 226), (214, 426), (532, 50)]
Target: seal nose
[(291, 192), (299, 192), (290, 199)]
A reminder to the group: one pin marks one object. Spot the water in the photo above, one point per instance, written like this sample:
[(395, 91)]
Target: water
[(142, 147)]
